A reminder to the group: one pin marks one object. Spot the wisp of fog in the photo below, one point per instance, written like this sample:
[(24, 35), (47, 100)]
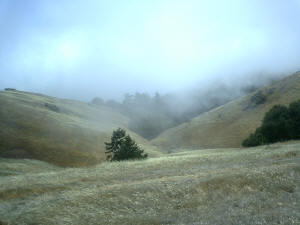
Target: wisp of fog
[(82, 49)]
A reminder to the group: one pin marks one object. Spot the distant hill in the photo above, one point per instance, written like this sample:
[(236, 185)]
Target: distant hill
[(59, 131), (229, 124)]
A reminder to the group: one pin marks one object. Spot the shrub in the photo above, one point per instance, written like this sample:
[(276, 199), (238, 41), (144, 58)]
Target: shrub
[(123, 147), (258, 98), (279, 124), (10, 89), (254, 139), (294, 111), (52, 107), (276, 124), (97, 101)]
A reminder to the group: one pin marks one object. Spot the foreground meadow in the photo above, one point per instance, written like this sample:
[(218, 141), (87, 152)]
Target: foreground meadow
[(215, 186)]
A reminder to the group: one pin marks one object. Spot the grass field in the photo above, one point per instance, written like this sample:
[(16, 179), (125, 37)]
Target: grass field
[(214, 186), (196, 183)]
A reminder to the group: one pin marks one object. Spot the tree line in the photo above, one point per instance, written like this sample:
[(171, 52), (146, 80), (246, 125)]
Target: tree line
[(151, 115)]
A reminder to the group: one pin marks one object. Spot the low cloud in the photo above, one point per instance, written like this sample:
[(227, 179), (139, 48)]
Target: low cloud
[(79, 49)]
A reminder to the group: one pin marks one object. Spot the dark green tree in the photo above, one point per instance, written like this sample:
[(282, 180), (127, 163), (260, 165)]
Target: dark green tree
[(294, 110), (254, 139), (123, 147), (279, 124), (276, 124)]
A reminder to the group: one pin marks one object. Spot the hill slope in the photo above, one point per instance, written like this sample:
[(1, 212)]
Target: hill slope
[(215, 186), (230, 124), (59, 131)]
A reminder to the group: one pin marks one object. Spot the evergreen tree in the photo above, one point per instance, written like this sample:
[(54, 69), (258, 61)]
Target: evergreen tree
[(123, 147)]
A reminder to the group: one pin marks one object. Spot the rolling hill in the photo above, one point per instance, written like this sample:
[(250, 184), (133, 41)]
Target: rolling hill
[(59, 131), (229, 124)]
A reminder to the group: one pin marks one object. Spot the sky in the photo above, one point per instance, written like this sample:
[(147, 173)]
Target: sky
[(82, 49)]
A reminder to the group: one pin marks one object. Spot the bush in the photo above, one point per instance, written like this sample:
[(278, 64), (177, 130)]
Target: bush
[(279, 124), (276, 124), (123, 147), (294, 111), (52, 107), (10, 89), (254, 139), (258, 98), (97, 101)]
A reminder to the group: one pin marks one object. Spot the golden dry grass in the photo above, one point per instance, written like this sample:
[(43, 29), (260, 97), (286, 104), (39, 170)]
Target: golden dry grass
[(214, 186), (230, 124), (74, 136)]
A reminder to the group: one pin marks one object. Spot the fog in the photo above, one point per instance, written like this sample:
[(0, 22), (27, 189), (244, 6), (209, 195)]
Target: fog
[(82, 49)]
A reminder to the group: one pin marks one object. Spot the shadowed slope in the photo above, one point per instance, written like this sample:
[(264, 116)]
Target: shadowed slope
[(59, 131), (230, 124)]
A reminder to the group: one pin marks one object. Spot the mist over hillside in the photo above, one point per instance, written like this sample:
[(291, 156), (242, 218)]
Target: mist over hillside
[(80, 50), (87, 88), (59, 131), (159, 63), (229, 124), (151, 115)]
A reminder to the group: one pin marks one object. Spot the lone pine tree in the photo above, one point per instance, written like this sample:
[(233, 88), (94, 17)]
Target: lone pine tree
[(123, 147)]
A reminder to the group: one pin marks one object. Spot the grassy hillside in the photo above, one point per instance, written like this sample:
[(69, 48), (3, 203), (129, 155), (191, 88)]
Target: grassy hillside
[(215, 186), (59, 131), (230, 124)]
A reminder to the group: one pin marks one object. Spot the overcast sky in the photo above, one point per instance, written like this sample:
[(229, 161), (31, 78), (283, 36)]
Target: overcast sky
[(81, 49)]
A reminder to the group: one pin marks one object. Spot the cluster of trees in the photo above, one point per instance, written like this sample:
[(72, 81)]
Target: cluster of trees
[(149, 116), (281, 123)]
